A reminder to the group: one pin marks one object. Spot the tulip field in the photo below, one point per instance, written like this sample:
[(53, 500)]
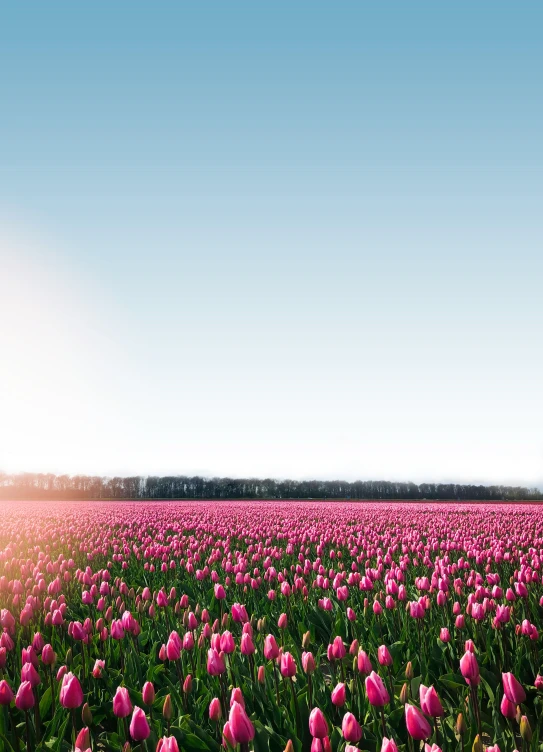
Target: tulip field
[(270, 626)]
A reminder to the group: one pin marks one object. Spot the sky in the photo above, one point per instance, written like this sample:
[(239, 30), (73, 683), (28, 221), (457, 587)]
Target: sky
[(289, 240)]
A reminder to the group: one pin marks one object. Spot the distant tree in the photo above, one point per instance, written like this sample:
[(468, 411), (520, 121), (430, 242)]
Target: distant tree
[(48, 486)]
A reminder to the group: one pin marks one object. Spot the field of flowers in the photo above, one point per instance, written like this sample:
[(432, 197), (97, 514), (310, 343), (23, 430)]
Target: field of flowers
[(270, 626)]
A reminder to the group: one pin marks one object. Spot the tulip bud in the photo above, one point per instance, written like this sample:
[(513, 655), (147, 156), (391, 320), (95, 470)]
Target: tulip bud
[(167, 708), (306, 640), (461, 727), (290, 746), (525, 729), (148, 693), (477, 745), (261, 675), (68, 660), (215, 711), (409, 673), (83, 739), (404, 694), (86, 715)]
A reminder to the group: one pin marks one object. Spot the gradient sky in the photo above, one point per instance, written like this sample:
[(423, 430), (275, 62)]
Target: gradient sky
[(296, 240)]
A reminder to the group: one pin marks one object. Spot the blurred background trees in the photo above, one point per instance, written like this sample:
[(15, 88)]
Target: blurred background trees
[(49, 486)]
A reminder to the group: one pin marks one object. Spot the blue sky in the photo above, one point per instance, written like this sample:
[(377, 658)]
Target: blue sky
[(289, 241)]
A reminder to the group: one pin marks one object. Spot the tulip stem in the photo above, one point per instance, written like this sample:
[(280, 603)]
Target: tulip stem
[(179, 671), (52, 689), (27, 731), (37, 722), (473, 691), (223, 694), (383, 721), (391, 688), (276, 683), (13, 728), (296, 709)]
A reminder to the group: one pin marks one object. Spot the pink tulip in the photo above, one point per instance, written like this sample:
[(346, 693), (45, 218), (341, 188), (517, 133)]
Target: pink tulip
[(470, 668), (308, 662), (237, 696), (288, 665), (48, 655), (317, 724), (71, 694), (271, 649), (364, 663), (430, 702), (247, 646), (417, 725), (388, 745), (383, 656), (350, 728), (215, 663), (24, 699), (99, 666), (173, 650), (148, 693), (6, 693), (139, 728), (513, 689), (122, 706), (228, 645), (376, 690), (444, 635), (241, 727), (29, 674), (338, 649), (228, 737), (82, 740), (508, 709), (215, 711), (339, 695), (167, 744)]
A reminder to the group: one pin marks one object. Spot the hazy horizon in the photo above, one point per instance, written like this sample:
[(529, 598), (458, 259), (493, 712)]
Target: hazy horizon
[(320, 478), (288, 242)]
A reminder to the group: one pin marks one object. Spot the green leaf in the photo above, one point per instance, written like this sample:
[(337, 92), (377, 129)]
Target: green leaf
[(191, 741), (6, 742), (45, 702), (453, 681)]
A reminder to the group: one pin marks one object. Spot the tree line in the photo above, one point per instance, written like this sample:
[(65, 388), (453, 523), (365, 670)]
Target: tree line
[(33, 486)]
